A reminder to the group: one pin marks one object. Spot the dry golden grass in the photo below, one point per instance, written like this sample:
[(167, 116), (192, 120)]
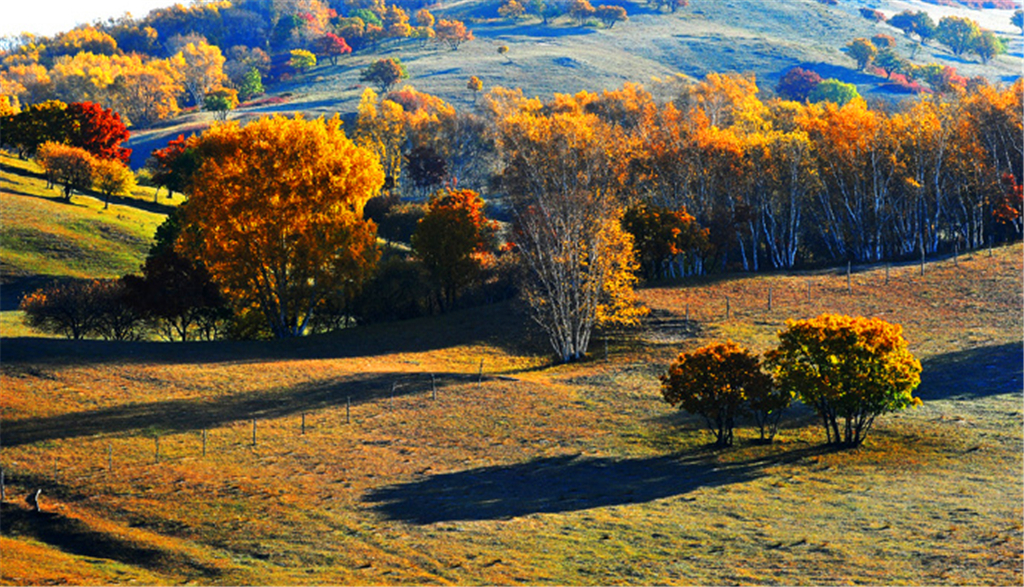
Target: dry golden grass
[(539, 474)]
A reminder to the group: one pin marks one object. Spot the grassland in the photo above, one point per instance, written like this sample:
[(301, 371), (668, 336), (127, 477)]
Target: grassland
[(449, 450)]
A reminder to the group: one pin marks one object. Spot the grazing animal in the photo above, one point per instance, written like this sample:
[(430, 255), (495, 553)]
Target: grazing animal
[(33, 500)]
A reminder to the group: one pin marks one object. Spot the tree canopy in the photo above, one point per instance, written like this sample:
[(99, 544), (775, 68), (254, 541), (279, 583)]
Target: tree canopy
[(276, 215)]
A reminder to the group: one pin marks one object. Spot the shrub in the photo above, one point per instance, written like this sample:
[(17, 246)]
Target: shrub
[(797, 84), (716, 382), (835, 91), (77, 309), (849, 369)]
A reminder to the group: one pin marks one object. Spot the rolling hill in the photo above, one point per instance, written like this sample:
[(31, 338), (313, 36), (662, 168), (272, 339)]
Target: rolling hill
[(765, 38)]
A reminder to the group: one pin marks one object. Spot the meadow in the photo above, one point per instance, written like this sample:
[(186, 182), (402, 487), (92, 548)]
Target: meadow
[(451, 450)]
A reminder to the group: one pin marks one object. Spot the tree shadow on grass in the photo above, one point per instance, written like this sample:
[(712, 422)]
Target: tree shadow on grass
[(973, 373), (74, 536), (498, 324), (198, 414), (551, 485)]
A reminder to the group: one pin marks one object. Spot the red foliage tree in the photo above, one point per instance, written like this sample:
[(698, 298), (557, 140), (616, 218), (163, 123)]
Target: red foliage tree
[(332, 46), (797, 84), (99, 131)]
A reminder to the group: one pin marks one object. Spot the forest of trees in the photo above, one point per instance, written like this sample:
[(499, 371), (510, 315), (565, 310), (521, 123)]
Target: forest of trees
[(150, 69), (594, 191), (568, 203)]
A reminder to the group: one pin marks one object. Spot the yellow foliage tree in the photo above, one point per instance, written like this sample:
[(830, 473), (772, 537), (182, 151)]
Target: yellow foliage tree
[(202, 70), (111, 177), (380, 129), (276, 215), (564, 172), (850, 369)]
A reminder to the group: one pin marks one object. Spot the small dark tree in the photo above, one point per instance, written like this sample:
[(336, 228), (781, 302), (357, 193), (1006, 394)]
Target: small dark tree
[(66, 309), (116, 317), (1017, 20), (175, 294), (872, 14), (449, 241), (797, 84), (610, 15), (862, 51), (384, 73), (715, 381)]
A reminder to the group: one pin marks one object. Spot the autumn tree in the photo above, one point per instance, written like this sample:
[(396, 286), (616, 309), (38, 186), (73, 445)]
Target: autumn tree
[(62, 308), (221, 101), (564, 173), (850, 370), (332, 46), (862, 51), (384, 73), (202, 69), (511, 10), (452, 33), (380, 129), (987, 46), (98, 130), (276, 215), (662, 238), (148, 93), (610, 15), (581, 10), (111, 177), (450, 241), (797, 84), (71, 167), (957, 33), (834, 91), (302, 60), (717, 382)]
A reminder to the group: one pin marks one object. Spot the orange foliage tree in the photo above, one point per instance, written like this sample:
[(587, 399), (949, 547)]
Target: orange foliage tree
[(72, 167), (451, 239), (850, 369), (452, 33), (718, 382), (276, 215)]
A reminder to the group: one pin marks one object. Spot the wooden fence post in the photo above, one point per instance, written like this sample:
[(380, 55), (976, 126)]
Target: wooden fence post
[(156, 449), (769, 299), (110, 458), (480, 376), (303, 422), (204, 442), (849, 265), (433, 387), (254, 431), (348, 410), (727, 307)]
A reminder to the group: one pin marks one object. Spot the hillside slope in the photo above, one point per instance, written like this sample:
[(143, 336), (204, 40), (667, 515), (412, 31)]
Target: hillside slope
[(761, 37)]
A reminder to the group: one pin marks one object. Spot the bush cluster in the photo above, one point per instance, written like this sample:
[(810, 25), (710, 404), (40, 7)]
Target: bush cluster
[(850, 370)]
